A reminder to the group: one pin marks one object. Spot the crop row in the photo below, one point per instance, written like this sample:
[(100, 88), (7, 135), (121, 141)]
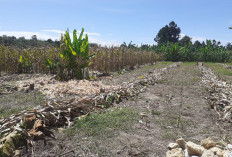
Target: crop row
[(32, 60)]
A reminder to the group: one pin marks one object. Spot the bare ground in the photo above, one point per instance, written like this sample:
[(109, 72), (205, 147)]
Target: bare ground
[(174, 107)]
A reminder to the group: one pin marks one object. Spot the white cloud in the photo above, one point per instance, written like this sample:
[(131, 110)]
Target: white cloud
[(193, 38), (55, 35), (27, 35), (54, 31), (104, 43), (78, 31), (199, 39), (182, 35)]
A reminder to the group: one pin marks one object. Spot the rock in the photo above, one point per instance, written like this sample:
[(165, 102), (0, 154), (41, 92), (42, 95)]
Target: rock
[(194, 149), (186, 153), (172, 146), (199, 63), (227, 154), (229, 147), (17, 153), (61, 130), (181, 143), (177, 152), (208, 143), (208, 153), (215, 151)]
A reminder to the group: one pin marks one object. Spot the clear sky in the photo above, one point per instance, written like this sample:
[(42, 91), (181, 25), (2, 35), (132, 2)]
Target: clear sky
[(114, 21)]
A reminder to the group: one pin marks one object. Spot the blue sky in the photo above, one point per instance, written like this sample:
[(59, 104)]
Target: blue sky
[(115, 21)]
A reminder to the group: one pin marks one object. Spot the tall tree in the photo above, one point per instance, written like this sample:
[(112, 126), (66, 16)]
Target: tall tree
[(34, 40), (169, 33), (197, 44), (185, 41)]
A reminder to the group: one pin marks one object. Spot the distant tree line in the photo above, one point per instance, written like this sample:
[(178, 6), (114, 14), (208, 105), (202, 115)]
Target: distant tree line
[(22, 42), (171, 34)]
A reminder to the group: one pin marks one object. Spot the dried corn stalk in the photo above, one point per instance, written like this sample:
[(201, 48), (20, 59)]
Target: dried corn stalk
[(220, 93)]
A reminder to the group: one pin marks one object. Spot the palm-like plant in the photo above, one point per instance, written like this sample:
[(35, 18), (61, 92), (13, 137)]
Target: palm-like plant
[(75, 57)]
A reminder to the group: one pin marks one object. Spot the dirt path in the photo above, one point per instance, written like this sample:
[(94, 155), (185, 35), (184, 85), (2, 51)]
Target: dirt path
[(174, 107)]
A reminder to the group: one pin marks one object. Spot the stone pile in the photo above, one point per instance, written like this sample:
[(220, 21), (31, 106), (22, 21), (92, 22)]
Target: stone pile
[(207, 148)]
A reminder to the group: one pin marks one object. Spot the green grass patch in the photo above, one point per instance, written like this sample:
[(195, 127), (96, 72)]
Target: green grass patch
[(219, 69), (157, 65), (162, 64), (222, 73), (189, 63), (5, 113), (105, 124), (189, 71), (18, 101)]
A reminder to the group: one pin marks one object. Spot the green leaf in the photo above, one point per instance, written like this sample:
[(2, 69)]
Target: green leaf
[(92, 77), (85, 65), (80, 37), (67, 39), (90, 56), (75, 41), (73, 52), (20, 59), (49, 62), (61, 55)]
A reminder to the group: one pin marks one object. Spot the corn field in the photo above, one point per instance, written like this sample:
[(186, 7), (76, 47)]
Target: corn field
[(32, 60), (115, 59)]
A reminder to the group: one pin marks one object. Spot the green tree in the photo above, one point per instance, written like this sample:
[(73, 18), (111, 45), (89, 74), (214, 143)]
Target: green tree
[(185, 41), (197, 44), (169, 33), (229, 46), (34, 40)]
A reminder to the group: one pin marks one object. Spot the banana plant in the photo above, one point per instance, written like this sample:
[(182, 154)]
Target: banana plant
[(75, 56), (25, 64), (52, 66)]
